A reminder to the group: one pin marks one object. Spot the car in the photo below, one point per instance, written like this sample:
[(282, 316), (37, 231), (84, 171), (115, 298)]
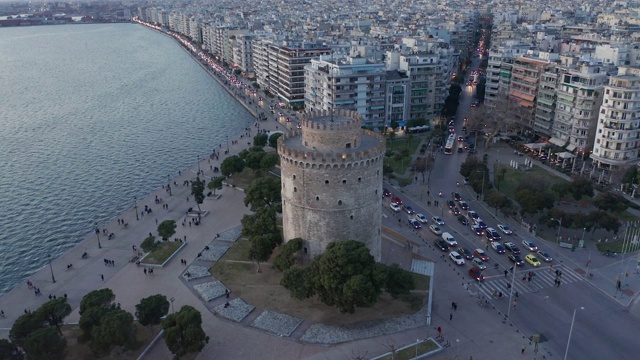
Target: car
[(463, 220), (455, 211), (497, 247), (511, 247), (386, 192), (421, 218), (480, 254), (476, 273), (408, 209), (476, 229), (395, 207), (441, 244), (505, 229), (463, 205), (449, 239), (465, 252), (397, 200), (478, 263), (482, 224), (435, 229), (528, 244), (464, 128), (544, 255), (492, 234), (414, 223), (451, 204), (460, 139), (456, 258), (516, 259), (437, 220), (533, 260), (472, 215), (457, 197)]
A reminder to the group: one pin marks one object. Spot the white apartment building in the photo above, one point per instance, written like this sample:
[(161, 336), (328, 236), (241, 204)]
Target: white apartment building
[(242, 52), (351, 83), (617, 139), (499, 68)]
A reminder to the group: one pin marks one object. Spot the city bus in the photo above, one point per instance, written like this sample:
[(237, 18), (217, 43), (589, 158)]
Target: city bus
[(448, 148)]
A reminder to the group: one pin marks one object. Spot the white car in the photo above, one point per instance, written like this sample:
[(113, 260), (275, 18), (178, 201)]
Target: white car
[(472, 215), (529, 245), (395, 207), (437, 220), (434, 229), (421, 218), (456, 258), (505, 229)]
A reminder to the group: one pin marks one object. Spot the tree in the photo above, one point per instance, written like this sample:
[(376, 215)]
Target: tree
[(23, 326), (45, 344), (54, 311), (610, 202), (260, 140), (387, 170), (97, 298), (397, 280), (9, 351), (497, 200), (273, 140), (90, 319), (263, 191), (285, 259), (167, 229), (151, 309), (532, 201), (116, 328), (299, 282), (232, 164), (149, 244), (183, 332), (253, 159), (216, 183), (263, 221), (420, 166), (269, 160), (197, 190)]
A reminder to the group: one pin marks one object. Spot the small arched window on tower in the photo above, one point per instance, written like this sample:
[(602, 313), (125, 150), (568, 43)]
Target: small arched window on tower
[(344, 181), (351, 217), (317, 198), (294, 177), (348, 146), (359, 179), (295, 189), (339, 202), (326, 182)]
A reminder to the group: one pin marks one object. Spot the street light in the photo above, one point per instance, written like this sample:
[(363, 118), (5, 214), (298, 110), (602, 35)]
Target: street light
[(571, 331), (53, 278), (97, 234), (559, 226), (136, 207), (172, 309), (198, 161), (227, 144)]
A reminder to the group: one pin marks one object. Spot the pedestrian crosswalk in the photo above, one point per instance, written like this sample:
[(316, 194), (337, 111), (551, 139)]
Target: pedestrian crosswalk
[(540, 279)]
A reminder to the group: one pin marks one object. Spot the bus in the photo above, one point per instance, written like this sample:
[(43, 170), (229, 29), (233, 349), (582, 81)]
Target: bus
[(448, 148)]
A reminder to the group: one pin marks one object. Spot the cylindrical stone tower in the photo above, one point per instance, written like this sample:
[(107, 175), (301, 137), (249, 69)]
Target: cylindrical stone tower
[(332, 182)]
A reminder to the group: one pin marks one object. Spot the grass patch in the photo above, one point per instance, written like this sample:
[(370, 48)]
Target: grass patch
[(618, 247), (410, 352), (82, 351), (514, 177), (400, 165), (246, 176), (164, 250), (421, 281)]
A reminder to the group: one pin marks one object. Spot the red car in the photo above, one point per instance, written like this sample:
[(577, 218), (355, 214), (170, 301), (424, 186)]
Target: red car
[(476, 273), (396, 200)]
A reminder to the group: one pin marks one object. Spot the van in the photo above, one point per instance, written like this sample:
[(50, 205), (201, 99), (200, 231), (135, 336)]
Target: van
[(449, 239)]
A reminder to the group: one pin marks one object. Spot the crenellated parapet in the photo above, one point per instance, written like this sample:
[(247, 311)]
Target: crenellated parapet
[(341, 120)]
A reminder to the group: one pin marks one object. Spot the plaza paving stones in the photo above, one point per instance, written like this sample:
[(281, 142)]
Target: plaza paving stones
[(276, 323), (211, 290), (236, 311), (196, 272), (231, 235), (214, 253), (325, 334)]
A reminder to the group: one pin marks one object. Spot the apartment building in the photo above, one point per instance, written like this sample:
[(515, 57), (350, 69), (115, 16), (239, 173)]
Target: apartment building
[(279, 67), (617, 138), (579, 95), (397, 93), (499, 68), (242, 51), (429, 77), (546, 103), (345, 82)]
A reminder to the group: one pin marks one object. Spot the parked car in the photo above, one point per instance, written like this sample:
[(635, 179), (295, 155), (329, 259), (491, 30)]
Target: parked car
[(528, 244), (511, 247), (465, 252), (497, 247), (505, 229), (478, 263), (441, 244), (456, 258), (437, 220), (533, 260), (414, 224), (395, 207), (476, 273), (397, 200), (516, 259), (480, 254), (408, 209), (463, 220), (544, 255), (435, 229), (421, 218)]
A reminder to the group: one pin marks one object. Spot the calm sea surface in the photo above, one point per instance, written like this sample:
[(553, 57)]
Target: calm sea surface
[(91, 116)]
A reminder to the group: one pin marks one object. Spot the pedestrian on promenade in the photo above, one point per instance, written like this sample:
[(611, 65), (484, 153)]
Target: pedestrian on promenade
[(145, 271), (450, 316), (102, 277), (505, 273)]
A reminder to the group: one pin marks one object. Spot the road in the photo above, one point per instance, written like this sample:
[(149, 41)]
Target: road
[(604, 329)]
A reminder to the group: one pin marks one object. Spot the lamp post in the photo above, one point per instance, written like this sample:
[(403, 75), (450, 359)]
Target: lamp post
[(172, 309), (135, 199), (573, 319), (53, 278), (98, 234), (559, 226), (198, 161), (511, 289), (227, 144)]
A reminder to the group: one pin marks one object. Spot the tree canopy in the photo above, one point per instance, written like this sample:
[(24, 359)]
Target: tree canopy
[(197, 190), (149, 244), (273, 140), (45, 344), (264, 191), (232, 164), (183, 332), (151, 309), (95, 298), (260, 140), (216, 183), (116, 328), (9, 351), (167, 229), (54, 312)]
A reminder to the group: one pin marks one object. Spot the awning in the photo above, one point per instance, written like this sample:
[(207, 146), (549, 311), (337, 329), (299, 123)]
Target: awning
[(535, 146), (522, 95), (565, 155), (556, 141), (571, 147)]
